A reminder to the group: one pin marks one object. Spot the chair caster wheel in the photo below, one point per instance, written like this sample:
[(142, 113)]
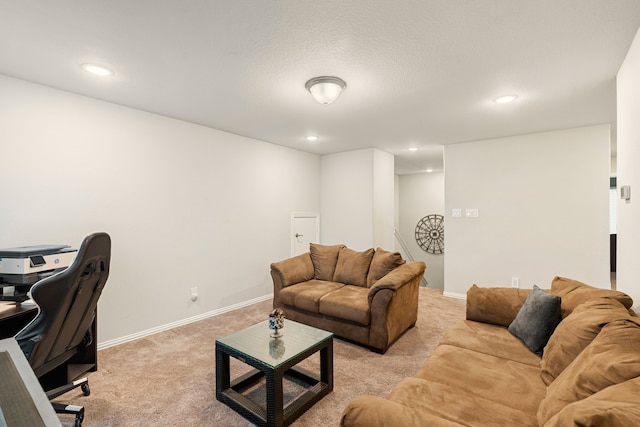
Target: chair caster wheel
[(85, 389), (79, 418)]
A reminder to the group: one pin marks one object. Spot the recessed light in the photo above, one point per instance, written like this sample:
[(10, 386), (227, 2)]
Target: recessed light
[(312, 138), (505, 99), (97, 70), (429, 170), (413, 149)]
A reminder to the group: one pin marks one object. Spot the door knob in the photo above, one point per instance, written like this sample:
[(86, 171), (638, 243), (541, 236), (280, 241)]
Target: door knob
[(299, 235)]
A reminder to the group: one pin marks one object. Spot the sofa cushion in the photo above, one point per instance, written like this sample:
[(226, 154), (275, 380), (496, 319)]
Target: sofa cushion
[(613, 357), (577, 331), (497, 382), (489, 339), (537, 319), (306, 295), (348, 303), (324, 260), (617, 405), (574, 293), (497, 305), (367, 410), (435, 404), (352, 267), (383, 262)]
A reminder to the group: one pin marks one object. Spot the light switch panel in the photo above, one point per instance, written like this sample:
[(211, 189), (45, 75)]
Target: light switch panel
[(472, 213)]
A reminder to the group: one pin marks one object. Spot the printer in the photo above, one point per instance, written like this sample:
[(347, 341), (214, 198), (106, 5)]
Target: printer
[(23, 266)]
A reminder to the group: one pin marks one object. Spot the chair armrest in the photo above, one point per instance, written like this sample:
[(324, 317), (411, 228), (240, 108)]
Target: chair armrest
[(497, 306), (397, 278), (289, 272), (373, 411)]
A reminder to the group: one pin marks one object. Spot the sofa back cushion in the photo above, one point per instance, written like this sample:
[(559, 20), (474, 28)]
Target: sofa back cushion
[(577, 331), (497, 306), (383, 262), (574, 293), (617, 405), (324, 260), (613, 357), (352, 267)]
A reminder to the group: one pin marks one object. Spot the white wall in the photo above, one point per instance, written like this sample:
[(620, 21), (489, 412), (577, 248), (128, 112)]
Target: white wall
[(383, 199), (628, 172), (421, 195), (357, 199), (543, 209), (185, 205), (346, 194)]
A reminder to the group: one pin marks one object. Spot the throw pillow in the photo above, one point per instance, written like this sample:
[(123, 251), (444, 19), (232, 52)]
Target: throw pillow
[(352, 267), (574, 293), (383, 262), (536, 320), (613, 357), (324, 260), (576, 332)]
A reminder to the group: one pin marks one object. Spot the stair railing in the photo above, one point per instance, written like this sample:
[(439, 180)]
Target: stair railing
[(407, 252)]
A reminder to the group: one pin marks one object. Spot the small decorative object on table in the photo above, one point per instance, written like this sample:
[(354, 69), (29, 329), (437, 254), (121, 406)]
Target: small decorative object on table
[(276, 322)]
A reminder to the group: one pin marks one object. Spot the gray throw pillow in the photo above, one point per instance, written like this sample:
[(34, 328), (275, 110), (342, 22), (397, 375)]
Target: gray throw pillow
[(537, 319)]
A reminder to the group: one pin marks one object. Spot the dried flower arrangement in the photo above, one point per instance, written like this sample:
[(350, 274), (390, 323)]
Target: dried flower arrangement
[(276, 322)]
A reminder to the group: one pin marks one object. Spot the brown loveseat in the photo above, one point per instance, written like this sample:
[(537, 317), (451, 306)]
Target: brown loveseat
[(369, 297), (482, 375)]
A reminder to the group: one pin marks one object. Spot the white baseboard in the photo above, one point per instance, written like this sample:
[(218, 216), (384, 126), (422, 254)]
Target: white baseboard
[(454, 295), (142, 334)]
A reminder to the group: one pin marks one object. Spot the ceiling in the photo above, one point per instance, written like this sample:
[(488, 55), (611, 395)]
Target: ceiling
[(419, 73)]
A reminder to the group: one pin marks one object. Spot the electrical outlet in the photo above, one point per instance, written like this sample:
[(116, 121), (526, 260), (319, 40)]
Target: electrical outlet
[(472, 213), (194, 293), (515, 282)]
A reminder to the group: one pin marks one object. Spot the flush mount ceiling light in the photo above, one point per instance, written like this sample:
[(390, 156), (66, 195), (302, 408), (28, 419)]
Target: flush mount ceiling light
[(97, 70), (505, 99), (325, 89)]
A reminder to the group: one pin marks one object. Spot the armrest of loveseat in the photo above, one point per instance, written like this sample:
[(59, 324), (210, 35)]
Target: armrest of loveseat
[(397, 278), (289, 272), (372, 411), (393, 302), (497, 306)]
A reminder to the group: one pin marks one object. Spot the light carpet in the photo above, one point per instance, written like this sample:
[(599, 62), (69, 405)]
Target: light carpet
[(168, 379)]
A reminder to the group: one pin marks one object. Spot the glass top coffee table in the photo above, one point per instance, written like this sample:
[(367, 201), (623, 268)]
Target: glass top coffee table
[(273, 359)]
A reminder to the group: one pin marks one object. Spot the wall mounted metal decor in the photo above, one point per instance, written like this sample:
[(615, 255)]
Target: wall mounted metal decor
[(430, 234)]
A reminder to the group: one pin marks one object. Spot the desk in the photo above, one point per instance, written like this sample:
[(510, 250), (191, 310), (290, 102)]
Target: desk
[(22, 400), (14, 316)]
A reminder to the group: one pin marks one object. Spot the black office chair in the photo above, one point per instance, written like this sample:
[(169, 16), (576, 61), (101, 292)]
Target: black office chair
[(56, 343)]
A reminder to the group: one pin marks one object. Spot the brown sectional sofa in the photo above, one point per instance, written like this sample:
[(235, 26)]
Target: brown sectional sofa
[(370, 297), (482, 375)]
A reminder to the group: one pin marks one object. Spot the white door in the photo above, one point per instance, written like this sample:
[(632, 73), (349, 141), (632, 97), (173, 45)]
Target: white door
[(305, 229)]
